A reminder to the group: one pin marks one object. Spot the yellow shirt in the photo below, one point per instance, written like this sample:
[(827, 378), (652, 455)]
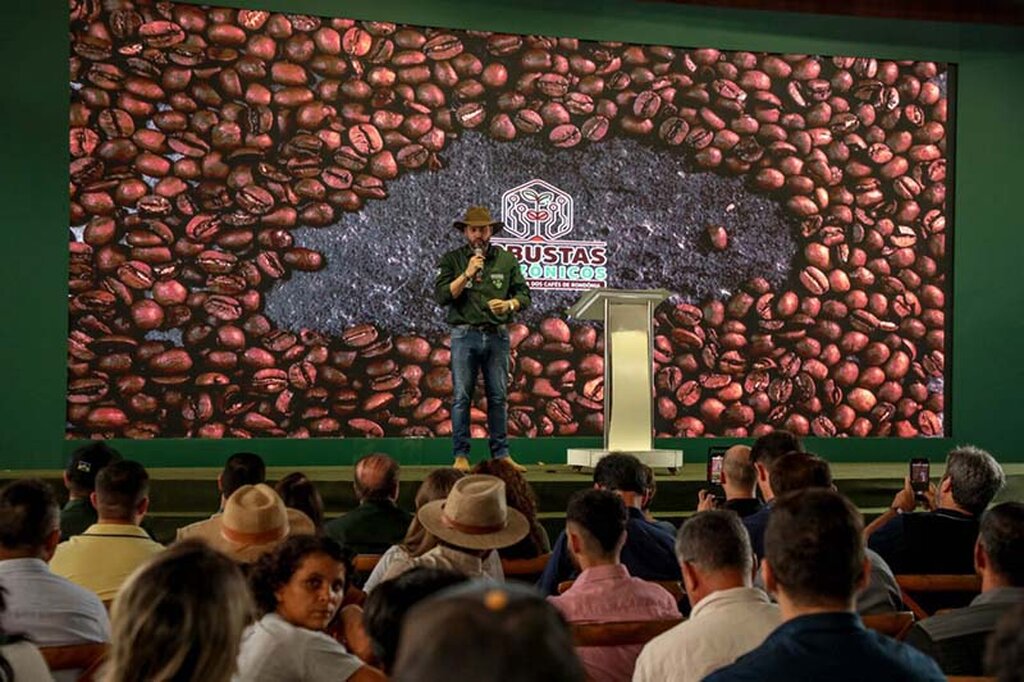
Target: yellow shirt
[(102, 558)]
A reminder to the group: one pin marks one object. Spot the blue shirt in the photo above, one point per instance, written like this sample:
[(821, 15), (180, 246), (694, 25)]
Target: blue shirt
[(830, 646), (756, 524), (649, 554)]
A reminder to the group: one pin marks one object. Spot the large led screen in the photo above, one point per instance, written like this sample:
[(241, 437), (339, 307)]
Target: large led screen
[(259, 202)]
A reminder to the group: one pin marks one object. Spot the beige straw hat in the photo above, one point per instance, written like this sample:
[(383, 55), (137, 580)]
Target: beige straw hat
[(254, 522), (475, 515)]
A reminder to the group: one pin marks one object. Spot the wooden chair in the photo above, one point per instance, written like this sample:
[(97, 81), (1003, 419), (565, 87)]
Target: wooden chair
[(620, 634), (84, 657), (894, 625), (526, 570), (935, 584), (365, 563)]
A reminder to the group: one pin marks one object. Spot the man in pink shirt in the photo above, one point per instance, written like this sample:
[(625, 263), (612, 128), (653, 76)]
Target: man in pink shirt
[(604, 591)]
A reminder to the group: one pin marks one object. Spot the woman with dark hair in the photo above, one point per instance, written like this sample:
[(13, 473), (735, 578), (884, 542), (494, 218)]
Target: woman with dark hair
[(298, 492), (19, 658), (519, 496), (418, 541), (298, 589)]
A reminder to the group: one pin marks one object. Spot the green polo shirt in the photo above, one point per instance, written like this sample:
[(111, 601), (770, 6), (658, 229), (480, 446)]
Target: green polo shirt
[(75, 517), (501, 278)]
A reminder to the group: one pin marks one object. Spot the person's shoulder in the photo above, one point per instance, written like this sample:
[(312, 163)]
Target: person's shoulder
[(196, 530), (957, 623), (71, 595), (907, 658)]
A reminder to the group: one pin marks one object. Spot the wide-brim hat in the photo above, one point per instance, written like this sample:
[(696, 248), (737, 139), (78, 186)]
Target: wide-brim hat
[(478, 215), (254, 522), (475, 515)]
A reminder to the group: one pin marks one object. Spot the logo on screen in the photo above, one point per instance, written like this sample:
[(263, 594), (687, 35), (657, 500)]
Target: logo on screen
[(538, 216)]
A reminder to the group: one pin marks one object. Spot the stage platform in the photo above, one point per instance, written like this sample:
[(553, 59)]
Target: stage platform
[(182, 495)]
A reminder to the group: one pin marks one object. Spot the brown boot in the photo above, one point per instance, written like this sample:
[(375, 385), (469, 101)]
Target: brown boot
[(516, 465), (461, 463)]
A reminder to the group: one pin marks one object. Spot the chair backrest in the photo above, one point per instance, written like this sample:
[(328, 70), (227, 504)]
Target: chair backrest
[(84, 657), (365, 563), (892, 624), (525, 569), (623, 633), (935, 584)]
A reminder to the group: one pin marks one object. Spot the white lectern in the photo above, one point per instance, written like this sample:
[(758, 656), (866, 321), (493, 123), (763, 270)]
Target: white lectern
[(628, 366)]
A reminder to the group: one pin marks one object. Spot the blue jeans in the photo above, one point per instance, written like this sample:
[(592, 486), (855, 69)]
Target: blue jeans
[(474, 350)]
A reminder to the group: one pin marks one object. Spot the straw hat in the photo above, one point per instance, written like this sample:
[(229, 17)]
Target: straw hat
[(478, 215), (254, 522), (475, 515)]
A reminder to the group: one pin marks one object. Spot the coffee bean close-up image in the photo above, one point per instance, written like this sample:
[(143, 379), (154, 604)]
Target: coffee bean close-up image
[(259, 202)]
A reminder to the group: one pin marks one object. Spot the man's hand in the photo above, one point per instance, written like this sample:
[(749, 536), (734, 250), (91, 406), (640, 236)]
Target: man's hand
[(500, 307), (905, 500), (931, 496), (476, 264), (706, 501)]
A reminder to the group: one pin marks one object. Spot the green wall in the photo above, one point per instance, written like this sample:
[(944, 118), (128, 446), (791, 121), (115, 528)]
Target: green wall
[(987, 369)]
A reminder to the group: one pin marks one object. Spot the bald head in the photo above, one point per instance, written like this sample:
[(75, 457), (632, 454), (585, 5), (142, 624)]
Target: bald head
[(376, 478), (740, 474)]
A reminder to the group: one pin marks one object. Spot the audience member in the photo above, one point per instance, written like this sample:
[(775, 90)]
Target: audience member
[(80, 480), (47, 609), (472, 522), (418, 541), (802, 470), (486, 633), (942, 539), (386, 606), (814, 565), (729, 616), (241, 468), (604, 591), (101, 558), (648, 552), (739, 482), (298, 590), (1005, 656), (377, 523), (956, 639), (254, 522), (651, 493), (298, 492), (179, 617), (520, 496), (19, 658), (763, 454)]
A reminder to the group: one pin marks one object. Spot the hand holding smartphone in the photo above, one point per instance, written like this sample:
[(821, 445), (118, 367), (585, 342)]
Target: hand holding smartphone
[(920, 476), (716, 459)]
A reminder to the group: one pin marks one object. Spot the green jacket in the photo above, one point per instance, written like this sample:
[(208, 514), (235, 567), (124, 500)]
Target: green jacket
[(371, 527), (501, 278)]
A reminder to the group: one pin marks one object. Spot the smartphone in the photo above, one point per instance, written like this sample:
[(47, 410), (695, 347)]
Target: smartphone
[(920, 472), (716, 456)]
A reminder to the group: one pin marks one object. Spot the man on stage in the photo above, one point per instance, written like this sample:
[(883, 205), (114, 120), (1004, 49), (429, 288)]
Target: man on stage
[(482, 286)]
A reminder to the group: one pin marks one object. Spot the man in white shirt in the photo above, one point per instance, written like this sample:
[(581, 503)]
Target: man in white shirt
[(48, 609), (729, 616)]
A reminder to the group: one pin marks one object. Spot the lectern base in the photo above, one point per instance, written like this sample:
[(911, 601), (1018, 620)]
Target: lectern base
[(586, 457)]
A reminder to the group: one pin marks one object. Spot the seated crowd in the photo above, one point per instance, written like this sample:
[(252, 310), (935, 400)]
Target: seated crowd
[(776, 580)]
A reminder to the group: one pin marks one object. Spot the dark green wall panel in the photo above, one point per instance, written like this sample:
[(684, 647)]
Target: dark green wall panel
[(987, 327)]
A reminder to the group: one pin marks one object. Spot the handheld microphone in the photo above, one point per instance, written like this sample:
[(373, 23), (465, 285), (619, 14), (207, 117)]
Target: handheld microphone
[(479, 276)]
